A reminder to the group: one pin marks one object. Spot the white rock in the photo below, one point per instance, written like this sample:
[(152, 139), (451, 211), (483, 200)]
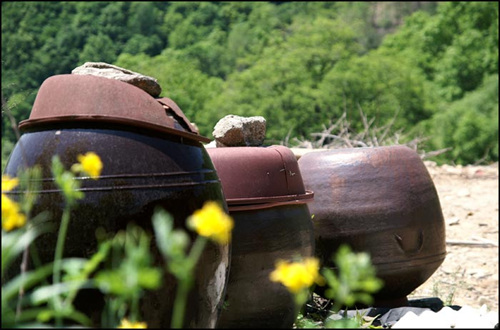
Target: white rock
[(211, 144), (431, 320), (102, 69), (448, 315), (447, 318), (409, 320), (232, 131)]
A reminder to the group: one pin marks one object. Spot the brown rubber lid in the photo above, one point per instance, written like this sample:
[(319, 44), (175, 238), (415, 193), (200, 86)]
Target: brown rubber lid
[(258, 176), (85, 98)]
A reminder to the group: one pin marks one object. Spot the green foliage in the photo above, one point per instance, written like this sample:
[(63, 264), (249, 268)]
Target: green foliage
[(298, 64), (382, 86), (29, 300), (17, 106), (139, 43), (354, 279), (302, 322), (469, 126), (181, 81), (126, 274), (98, 48), (7, 147), (282, 85), (456, 47), (65, 180), (172, 243)]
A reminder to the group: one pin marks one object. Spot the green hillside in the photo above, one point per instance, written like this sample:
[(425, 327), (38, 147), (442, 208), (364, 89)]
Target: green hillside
[(429, 69)]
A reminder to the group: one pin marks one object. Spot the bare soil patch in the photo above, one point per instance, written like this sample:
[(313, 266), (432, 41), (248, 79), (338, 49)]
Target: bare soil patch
[(469, 201)]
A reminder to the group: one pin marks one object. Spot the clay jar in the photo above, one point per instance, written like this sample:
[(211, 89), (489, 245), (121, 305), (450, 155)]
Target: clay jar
[(382, 201), (152, 157), (267, 200)]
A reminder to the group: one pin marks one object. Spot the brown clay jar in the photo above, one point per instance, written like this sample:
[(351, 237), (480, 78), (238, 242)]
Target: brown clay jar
[(381, 201), (268, 202), (151, 158)]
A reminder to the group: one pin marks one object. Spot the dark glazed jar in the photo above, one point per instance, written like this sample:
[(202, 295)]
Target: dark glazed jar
[(151, 155), (267, 200), (382, 201)]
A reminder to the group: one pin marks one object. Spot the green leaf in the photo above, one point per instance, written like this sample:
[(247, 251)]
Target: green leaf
[(25, 280), (149, 278), (111, 282), (172, 243), (45, 293), (344, 323), (68, 313), (73, 266), (354, 278), (95, 261), (16, 241)]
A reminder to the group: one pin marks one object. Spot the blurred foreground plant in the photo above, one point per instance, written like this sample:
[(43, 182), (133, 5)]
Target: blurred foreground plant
[(46, 301), (121, 268), (211, 223), (298, 277), (352, 281)]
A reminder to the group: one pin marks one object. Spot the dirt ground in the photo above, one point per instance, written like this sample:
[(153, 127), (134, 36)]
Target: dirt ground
[(469, 201)]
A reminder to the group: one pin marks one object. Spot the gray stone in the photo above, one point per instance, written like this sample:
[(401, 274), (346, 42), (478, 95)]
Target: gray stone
[(234, 131), (101, 69)]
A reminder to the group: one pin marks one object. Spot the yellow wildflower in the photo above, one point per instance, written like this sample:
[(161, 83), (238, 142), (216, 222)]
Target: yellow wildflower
[(297, 276), (90, 163), (126, 324), (9, 183), (211, 221), (11, 215)]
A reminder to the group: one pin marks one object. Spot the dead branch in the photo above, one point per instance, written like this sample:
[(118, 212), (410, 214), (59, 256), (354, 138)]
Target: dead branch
[(471, 243), (340, 135), (426, 155)]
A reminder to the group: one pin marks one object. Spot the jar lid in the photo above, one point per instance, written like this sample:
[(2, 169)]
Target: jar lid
[(86, 98), (263, 176)]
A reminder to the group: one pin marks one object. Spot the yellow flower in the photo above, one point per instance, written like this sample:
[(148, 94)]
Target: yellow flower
[(11, 215), (9, 183), (126, 324), (297, 276), (211, 221), (90, 163)]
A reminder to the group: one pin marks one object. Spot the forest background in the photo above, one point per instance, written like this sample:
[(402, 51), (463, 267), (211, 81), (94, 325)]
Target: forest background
[(427, 70)]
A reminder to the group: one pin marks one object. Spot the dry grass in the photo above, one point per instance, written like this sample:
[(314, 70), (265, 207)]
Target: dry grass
[(340, 135)]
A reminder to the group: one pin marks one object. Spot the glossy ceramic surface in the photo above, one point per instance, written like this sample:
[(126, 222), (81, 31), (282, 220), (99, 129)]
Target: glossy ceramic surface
[(381, 201), (268, 202), (143, 168)]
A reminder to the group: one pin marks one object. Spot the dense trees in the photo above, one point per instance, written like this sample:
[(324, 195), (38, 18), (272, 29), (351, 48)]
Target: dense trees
[(457, 50), (431, 66)]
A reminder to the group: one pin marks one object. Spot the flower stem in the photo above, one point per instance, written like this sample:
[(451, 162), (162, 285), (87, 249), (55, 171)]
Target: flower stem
[(180, 303), (185, 283), (196, 251), (56, 277)]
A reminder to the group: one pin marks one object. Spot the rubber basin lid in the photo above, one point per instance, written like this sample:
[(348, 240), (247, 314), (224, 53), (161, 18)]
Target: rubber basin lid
[(258, 176), (85, 98)]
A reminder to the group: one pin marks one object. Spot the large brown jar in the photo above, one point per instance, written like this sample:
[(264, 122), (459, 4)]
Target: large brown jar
[(152, 157), (267, 200), (382, 201)]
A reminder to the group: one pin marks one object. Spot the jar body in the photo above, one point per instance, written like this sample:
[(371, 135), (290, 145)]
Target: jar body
[(269, 204), (260, 238), (141, 171), (381, 201)]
